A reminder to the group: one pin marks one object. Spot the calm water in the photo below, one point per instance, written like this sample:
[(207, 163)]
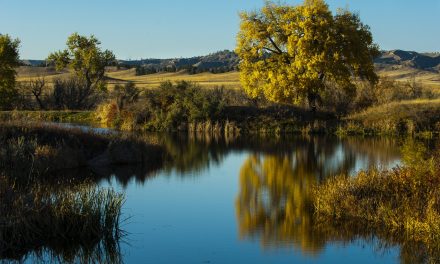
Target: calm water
[(243, 201)]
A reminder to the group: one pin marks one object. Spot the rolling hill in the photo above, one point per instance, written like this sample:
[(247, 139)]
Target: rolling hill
[(410, 59), (397, 64)]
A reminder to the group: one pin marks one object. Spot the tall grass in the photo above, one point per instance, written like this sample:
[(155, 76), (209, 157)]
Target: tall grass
[(30, 152), (83, 117), (403, 202), (407, 117), (77, 224)]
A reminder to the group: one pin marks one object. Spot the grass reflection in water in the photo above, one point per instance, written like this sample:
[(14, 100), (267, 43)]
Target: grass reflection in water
[(280, 195)]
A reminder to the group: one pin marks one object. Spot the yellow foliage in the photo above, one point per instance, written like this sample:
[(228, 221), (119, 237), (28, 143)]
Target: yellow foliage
[(107, 113), (289, 53), (274, 199)]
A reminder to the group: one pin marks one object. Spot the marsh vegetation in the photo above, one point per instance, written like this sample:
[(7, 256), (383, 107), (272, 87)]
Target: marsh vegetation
[(79, 223)]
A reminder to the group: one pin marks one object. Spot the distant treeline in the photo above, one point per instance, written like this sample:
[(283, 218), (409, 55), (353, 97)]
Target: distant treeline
[(191, 69)]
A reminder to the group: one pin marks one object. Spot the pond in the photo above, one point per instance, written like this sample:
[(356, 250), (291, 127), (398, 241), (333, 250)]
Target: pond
[(242, 201), (223, 199)]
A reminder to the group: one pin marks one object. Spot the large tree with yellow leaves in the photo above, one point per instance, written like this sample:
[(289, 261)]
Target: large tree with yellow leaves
[(291, 53)]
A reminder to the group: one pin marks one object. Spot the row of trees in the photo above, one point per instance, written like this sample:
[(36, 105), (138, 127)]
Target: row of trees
[(191, 69)]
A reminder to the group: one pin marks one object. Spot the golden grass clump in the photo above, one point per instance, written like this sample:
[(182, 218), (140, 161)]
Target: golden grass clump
[(404, 201), (410, 116), (107, 114)]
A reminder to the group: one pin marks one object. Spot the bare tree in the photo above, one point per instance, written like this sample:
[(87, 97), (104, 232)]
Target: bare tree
[(36, 87)]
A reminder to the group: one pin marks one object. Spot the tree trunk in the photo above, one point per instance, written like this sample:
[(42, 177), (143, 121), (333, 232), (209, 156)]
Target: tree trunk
[(40, 103), (312, 99)]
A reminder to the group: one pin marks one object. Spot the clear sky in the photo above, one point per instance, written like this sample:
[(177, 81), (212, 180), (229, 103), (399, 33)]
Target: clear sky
[(135, 29)]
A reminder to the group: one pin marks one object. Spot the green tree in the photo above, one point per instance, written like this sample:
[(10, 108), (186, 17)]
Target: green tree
[(9, 60), (290, 53), (86, 59)]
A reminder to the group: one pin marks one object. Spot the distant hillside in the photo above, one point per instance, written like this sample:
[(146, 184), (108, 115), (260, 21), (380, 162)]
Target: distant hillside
[(34, 63), (410, 59), (224, 61)]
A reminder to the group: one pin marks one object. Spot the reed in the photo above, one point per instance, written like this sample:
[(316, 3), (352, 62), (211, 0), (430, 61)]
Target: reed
[(78, 223), (36, 152), (84, 117)]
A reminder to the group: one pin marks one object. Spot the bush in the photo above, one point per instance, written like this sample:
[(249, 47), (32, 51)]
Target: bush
[(366, 95), (74, 93), (170, 107), (389, 90)]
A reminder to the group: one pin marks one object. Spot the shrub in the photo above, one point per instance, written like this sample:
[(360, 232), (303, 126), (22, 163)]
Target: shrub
[(107, 114), (74, 93), (170, 107)]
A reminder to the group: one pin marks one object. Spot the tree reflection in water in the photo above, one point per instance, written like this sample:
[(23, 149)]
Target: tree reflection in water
[(274, 204), (276, 180)]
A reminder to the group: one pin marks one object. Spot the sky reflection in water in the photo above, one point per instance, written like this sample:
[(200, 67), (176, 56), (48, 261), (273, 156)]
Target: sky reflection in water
[(245, 201)]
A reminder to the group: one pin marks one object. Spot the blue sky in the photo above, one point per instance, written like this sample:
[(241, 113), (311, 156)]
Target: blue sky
[(135, 29)]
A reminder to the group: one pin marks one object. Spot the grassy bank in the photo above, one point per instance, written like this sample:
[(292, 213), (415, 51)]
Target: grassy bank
[(81, 117), (404, 117), (235, 121), (187, 108), (76, 224), (402, 203), (184, 106), (29, 151)]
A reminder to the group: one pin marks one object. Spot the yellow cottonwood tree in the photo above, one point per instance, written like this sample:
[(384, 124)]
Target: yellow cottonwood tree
[(289, 53)]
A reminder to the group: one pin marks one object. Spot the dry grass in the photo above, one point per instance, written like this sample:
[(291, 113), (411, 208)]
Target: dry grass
[(402, 203), (32, 152), (426, 78), (229, 79), (401, 109), (410, 116), (66, 116), (209, 80), (26, 73)]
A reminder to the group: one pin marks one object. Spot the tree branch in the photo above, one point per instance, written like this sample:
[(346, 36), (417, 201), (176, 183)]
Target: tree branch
[(275, 45), (271, 50)]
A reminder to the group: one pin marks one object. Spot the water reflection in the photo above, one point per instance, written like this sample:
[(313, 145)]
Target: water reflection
[(274, 204), (191, 155), (275, 190)]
